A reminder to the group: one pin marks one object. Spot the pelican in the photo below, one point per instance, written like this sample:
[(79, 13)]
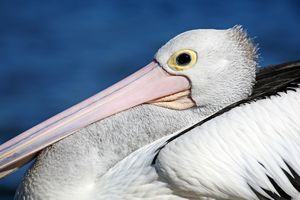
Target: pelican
[(248, 150), (192, 76)]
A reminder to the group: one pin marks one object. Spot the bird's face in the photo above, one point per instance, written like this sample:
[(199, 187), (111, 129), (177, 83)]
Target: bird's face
[(197, 68), (220, 65)]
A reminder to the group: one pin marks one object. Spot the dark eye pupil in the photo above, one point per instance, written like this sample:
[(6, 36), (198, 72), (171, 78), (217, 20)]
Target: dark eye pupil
[(183, 59)]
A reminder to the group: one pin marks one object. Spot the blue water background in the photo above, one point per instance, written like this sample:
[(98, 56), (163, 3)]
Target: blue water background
[(56, 53)]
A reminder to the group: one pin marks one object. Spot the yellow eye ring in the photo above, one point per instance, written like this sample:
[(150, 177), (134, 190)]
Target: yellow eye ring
[(182, 60)]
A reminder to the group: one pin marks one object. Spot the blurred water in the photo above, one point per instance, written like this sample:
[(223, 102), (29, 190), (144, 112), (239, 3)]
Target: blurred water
[(56, 53)]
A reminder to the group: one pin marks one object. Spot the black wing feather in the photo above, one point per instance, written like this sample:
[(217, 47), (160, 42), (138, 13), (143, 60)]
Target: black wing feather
[(294, 178), (276, 78)]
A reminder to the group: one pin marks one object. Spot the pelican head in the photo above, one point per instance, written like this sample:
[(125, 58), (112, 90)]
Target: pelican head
[(199, 70), (220, 65)]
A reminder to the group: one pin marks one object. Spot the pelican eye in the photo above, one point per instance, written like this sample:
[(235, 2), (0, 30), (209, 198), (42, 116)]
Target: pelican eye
[(182, 60)]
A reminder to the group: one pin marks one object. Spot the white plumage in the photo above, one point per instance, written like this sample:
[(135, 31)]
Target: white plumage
[(231, 156)]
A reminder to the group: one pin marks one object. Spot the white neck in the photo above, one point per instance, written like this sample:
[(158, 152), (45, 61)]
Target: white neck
[(78, 160)]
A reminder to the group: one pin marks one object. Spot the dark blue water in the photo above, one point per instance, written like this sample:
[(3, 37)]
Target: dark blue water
[(56, 53)]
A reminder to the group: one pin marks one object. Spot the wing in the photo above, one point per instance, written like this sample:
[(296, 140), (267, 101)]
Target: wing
[(248, 150), (276, 78)]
